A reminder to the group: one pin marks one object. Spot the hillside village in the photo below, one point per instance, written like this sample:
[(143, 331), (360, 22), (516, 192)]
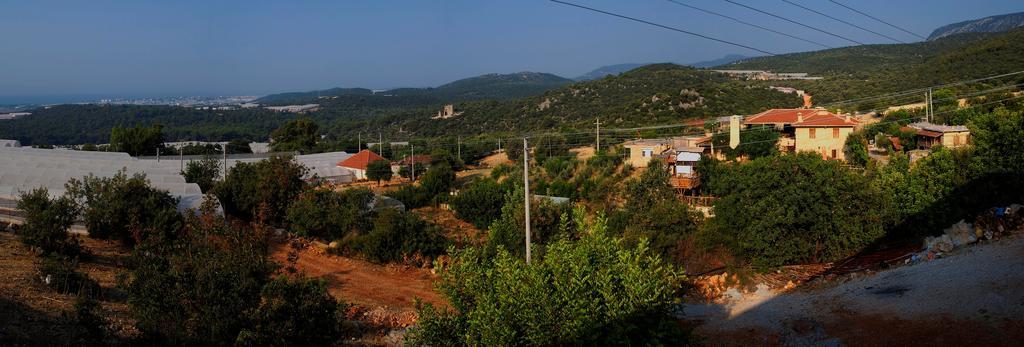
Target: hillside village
[(862, 195)]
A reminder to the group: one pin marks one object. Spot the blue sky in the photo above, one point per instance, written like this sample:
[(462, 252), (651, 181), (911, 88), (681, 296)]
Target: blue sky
[(134, 48)]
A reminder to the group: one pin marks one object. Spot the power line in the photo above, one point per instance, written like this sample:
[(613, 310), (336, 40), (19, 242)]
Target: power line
[(748, 23), (794, 22), (842, 21), (882, 21), (663, 26)]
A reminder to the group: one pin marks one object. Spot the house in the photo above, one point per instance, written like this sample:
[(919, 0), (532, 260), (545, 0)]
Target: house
[(682, 163), (642, 151), (358, 163), (813, 130), (824, 133), (929, 135), (407, 162)]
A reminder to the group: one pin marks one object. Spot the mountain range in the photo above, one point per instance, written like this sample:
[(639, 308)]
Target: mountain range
[(990, 24)]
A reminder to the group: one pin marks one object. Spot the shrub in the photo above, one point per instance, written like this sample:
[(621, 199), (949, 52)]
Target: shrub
[(396, 235), (795, 208), (594, 291), (273, 183), (329, 214), (438, 180), (293, 312), (125, 209), (202, 172), (411, 195), (507, 231), (479, 203), (47, 222), (58, 272)]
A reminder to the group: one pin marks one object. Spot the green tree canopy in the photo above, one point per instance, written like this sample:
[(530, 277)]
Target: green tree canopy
[(297, 135), (271, 185), (795, 208), (203, 172), (594, 291), (379, 170), (138, 140)]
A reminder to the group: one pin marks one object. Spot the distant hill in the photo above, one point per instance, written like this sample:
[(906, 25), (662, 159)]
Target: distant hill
[(610, 70), (991, 24), (648, 95), (859, 71), (720, 61), (490, 86), (292, 96)]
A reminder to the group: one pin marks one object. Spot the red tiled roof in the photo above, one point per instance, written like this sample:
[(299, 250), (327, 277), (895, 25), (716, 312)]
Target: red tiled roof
[(825, 119), (778, 116), (922, 132), (812, 117), (360, 160)]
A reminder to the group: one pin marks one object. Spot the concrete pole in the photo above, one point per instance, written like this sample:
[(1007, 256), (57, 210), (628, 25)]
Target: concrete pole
[(526, 196), (224, 151), (598, 135), (460, 147), (412, 167)]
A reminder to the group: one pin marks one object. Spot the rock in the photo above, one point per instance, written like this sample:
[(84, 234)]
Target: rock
[(961, 234)]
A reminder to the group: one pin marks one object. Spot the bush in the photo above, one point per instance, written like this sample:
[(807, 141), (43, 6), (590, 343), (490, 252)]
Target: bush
[(412, 196), (397, 235), (438, 180), (653, 212), (507, 231), (47, 222), (272, 183), (293, 312), (594, 291), (125, 209), (212, 286), (480, 202), (795, 208), (58, 272), (202, 172), (329, 214)]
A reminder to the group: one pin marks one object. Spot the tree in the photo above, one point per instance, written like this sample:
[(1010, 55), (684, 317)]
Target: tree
[(653, 212), (293, 312), (125, 208), (795, 208), (272, 184), (203, 172), (138, 140), (397, 235), (754, 143), (329, 214), (238, 146), (405, 171), (378, 170), (479, 203), (213, 286), (438, 180), (297, 135), (507, 231), (47, 222), (592, 291)]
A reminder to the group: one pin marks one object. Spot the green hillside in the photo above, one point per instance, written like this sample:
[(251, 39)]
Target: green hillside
[(861, 71), (653, 94)]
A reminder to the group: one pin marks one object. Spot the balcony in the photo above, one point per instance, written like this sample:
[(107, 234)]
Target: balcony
[(690, 181)]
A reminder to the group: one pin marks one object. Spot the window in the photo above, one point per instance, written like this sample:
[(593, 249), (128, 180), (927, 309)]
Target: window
[(811, 132), (833, 154), (835, 133), (956, 140), (646, 152)]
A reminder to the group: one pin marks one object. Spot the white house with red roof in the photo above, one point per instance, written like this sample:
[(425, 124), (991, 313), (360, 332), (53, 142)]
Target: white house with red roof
[(358, 162), (807, 130)]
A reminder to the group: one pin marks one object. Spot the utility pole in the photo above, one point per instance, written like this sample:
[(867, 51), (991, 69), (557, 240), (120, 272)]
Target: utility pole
[(931, 107), (359, 143), (412, 167), (380, 144), (526, 196), (598, 135), (158, 154), (499, 144), (224, 151), (181, 160), (460, 147)]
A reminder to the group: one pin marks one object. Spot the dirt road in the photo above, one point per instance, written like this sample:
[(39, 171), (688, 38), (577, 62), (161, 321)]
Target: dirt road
[(973, 296), (393, 288)]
